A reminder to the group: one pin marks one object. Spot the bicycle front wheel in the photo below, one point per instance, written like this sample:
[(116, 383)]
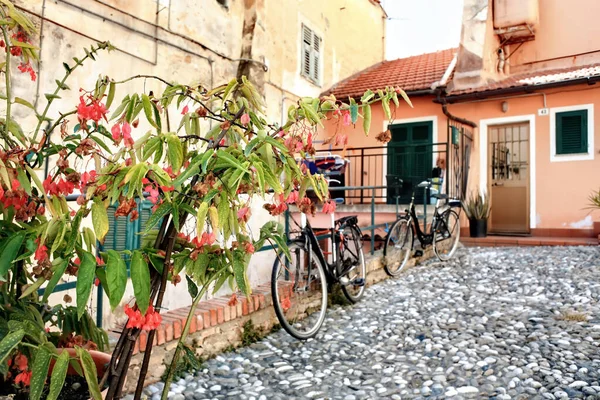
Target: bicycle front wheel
[(447, 235), (352, 270), (299, 290), (398, 246)]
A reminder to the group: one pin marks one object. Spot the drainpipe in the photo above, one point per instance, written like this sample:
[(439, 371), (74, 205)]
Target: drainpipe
[(441, 98)]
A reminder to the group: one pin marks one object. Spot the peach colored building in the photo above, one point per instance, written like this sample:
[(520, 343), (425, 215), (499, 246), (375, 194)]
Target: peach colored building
[(512, 111)]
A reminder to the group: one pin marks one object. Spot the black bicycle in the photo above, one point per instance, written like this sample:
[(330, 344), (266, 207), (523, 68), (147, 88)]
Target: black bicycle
[(299, 285), (443, 233)]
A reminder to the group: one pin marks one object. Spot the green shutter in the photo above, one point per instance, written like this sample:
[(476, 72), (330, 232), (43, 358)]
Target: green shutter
[(571, 132)]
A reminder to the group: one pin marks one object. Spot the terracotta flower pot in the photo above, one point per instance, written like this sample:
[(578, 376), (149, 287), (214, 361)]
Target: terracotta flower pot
[(102, 360)]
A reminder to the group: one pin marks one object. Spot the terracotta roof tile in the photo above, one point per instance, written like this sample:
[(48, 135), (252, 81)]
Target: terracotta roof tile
[(532, 79), (411, 73)]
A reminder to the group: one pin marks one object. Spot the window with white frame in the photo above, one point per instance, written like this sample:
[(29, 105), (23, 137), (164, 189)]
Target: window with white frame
[(311, 55), (572, 133)]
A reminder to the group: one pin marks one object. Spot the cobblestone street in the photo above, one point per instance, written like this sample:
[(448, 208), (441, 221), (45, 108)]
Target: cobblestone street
[(493, 323)]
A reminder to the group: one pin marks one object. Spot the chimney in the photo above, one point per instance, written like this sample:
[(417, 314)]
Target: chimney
[(477, 58)]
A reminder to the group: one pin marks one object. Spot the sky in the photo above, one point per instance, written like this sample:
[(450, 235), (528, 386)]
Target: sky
[(421, 26)]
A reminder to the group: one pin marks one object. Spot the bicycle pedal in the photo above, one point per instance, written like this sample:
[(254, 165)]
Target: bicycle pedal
[(418, 253)]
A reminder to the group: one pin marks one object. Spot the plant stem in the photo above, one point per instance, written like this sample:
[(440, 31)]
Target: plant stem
[(181, 342), (7, 80)]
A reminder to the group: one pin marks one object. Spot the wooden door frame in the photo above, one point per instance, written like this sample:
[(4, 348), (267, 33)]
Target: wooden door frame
[(484, 125), (387, 124)]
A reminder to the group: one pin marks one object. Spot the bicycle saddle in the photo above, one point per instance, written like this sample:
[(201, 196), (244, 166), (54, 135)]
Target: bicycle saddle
[(349, 220)]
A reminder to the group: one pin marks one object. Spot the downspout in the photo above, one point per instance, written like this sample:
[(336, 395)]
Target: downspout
[(441, 98)]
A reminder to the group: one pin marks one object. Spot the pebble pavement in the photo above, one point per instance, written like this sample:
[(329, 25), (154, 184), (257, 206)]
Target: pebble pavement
[(510, 323)]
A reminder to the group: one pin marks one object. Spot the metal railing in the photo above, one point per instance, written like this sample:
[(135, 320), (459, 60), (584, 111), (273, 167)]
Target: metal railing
[(376, 166)]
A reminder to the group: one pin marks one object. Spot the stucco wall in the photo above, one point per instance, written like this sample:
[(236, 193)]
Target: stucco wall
[(562, 188), (195, 41), (563, 37)]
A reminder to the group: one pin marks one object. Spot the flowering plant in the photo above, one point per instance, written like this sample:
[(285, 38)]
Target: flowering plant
[(201, 176)]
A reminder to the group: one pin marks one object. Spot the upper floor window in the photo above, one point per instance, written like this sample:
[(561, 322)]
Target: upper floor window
[(572, 133), (311, 55)]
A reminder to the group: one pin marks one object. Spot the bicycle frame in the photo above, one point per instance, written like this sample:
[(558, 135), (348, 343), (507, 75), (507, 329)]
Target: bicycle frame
[(312, 243), (424, 237)]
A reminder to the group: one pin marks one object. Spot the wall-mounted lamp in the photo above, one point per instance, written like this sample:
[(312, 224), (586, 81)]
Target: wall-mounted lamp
[(504, 106)]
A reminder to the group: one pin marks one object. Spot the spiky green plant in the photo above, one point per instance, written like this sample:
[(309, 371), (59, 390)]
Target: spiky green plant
[(477, 206)]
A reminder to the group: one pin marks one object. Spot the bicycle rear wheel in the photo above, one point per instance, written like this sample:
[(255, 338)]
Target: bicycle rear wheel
[(299, 292), (446, 236), (398, 246), (353, 265)]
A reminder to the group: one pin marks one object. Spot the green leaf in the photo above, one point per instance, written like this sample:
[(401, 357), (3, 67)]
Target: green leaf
[(174, 152), (157, 215), (273, 181), (201, 218), (367, 96), (148, 110), (89, 370), (192, 287), (57, 274), (116, 277), (59, 373), (140, 277), (239, 271), (111, 94), (32, 288), (24, 102), (9, 342), (85, 280), (51, 96), (405, 97), (385, 103), (62, 85), (9, 250), (152, 146), (223, 211), (367, 119), (39, 372), (229, 159), (99, 220), (260, 176), (354, 112)]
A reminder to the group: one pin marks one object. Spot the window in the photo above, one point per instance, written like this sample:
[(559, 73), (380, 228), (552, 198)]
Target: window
[(572, 133), (224, 3), (311, 55), (123, 234)]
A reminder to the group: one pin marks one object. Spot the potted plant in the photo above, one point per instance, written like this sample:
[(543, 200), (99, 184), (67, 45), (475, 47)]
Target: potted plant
[(477, 208)]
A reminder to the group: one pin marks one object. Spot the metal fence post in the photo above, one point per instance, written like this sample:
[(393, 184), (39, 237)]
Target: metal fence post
[(362, 173), (373, 222)]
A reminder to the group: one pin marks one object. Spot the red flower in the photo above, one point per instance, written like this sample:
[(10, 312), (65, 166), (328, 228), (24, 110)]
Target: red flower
[(95, 111), (58, 187), (21, 362), (15, 184), (116, 133), (232, 300), (293, 197), (97, 282), (244, 213), (150, 321), (24, 378), (185, 110), (127, 135), (87, 177), (347, 120), (245, 119), (329, 207), (27, 68), (341, 140), (249, 248), (153, 193), (41, 253)]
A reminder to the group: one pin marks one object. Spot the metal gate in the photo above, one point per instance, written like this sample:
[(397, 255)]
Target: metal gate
[(460, 145)]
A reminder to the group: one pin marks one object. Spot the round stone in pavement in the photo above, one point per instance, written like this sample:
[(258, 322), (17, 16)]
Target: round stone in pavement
[(503, 323)]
